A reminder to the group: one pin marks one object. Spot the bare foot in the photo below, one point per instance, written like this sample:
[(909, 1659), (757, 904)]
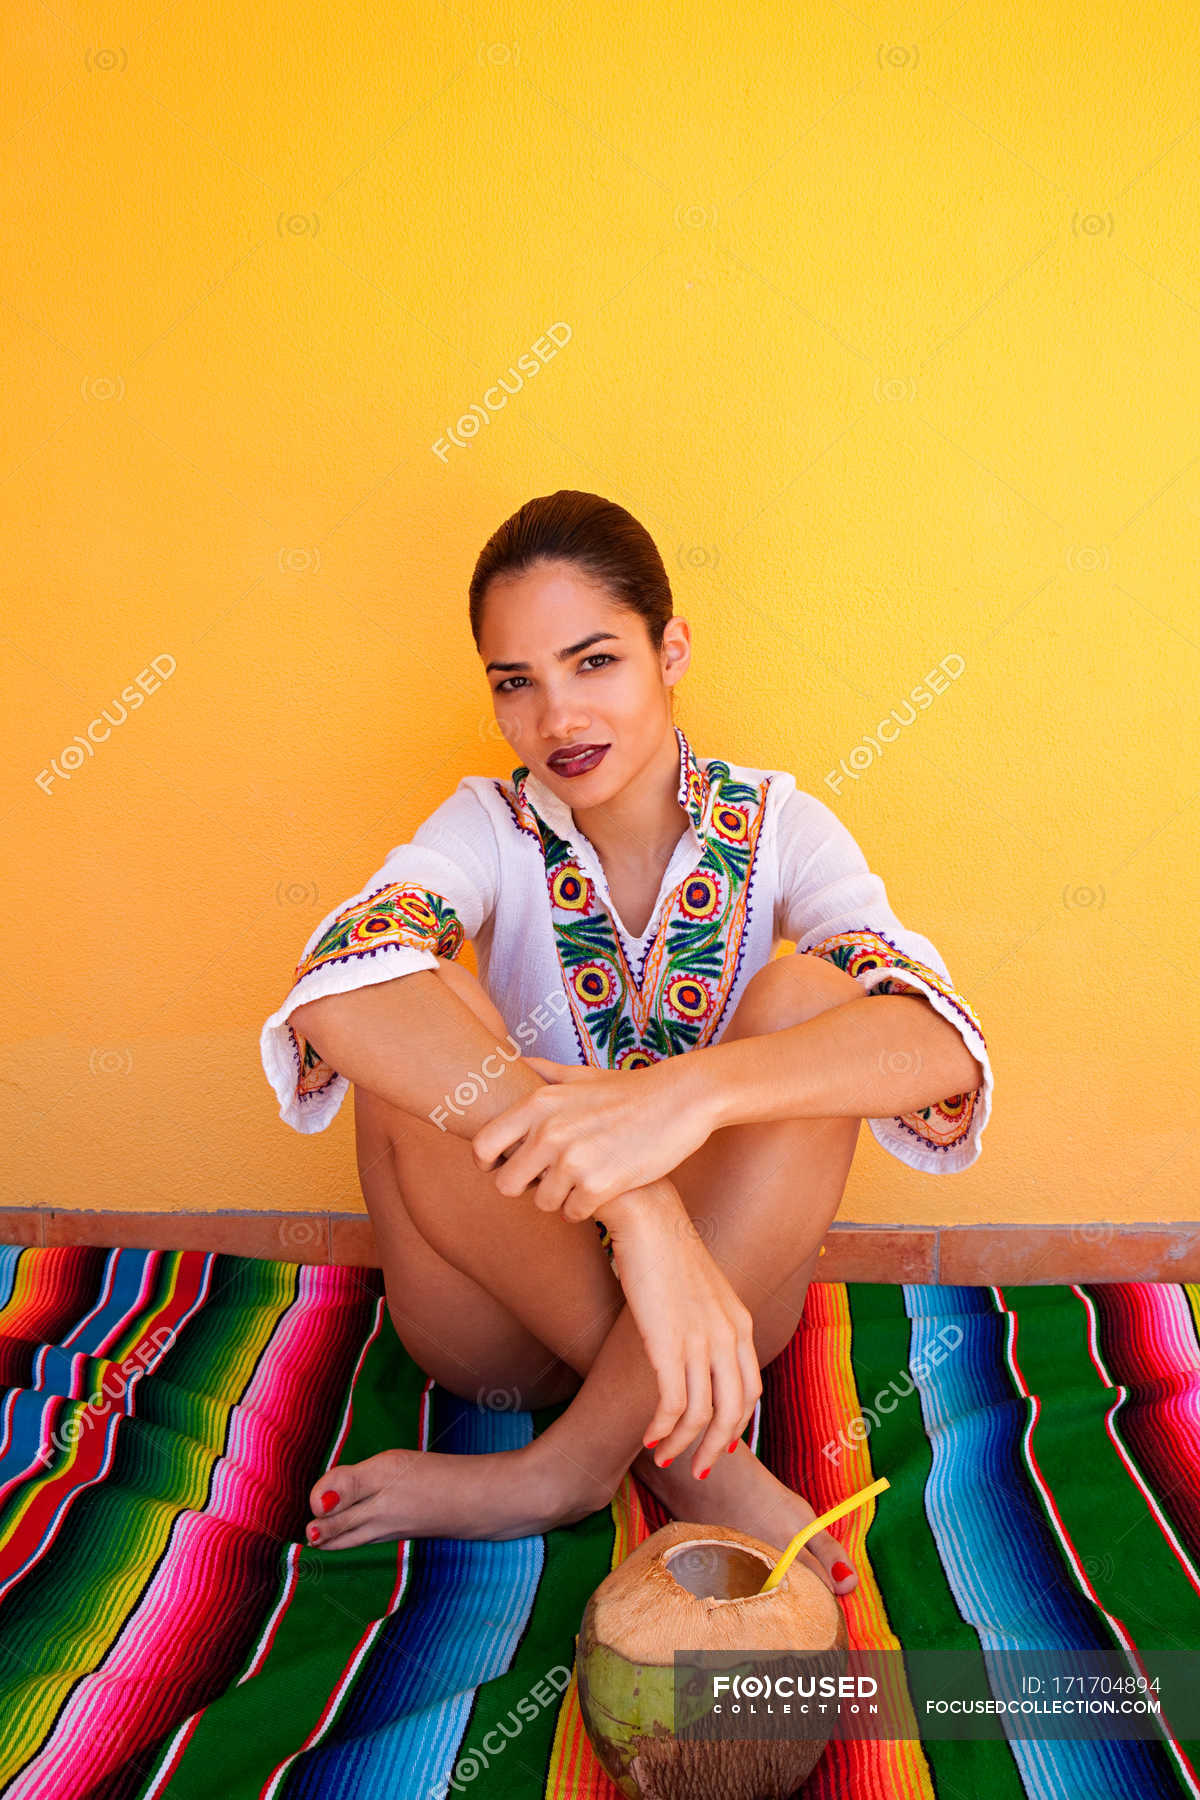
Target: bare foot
[(423, 1493), (741, 1492)]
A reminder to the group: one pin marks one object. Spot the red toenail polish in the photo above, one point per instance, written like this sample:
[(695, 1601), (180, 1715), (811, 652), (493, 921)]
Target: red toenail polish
[(840, 1571), (328, 1500), (314, 1533), (703, 1473)]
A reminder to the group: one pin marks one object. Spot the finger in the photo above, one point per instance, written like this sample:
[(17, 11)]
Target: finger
[(554, 1071), (551, 1190), (751, 1383), (727, 1396), (585, 1202), (541, 1065), (666, 1359), (699, 1406), (594, 1190), (525, 1166), (501, 1133)]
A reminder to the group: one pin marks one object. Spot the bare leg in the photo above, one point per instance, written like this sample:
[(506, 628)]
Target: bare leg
[(539, 1294)]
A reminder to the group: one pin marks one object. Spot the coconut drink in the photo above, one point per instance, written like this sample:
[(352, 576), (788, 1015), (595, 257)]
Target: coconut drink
[(700, 1588)]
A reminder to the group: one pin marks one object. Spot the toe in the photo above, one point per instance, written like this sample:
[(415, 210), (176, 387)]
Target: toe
[(363, 1525), (335, 1490), (361, 1490), (835, 1565), (348, 1526), (336, 1499)]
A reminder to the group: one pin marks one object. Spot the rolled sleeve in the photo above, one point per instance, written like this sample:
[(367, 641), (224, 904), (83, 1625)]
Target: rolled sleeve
[(426, 900), (831, 905)]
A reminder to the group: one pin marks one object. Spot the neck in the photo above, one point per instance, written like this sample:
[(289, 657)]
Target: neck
[(642, 823)]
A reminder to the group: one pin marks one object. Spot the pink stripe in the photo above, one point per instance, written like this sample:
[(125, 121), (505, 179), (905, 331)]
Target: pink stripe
[(179, 1744), (153, 1666), (1162, 1342)]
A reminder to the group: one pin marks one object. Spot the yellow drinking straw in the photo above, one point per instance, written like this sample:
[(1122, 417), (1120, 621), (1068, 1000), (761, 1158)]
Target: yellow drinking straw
[(818, 1524)]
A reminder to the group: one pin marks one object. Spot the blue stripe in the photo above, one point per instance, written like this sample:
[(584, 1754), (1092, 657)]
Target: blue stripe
[(10, 1255), (466, 1608)]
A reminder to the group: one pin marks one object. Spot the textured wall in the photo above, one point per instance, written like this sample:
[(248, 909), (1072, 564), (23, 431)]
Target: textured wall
[(884, 325)]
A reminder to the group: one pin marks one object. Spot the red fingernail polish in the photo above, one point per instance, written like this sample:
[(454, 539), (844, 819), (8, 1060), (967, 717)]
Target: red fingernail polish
[(652, 1443), (666, 1462), (840, 1571), (313, 1533), (329, 1500), (734, 1446), (703, 1473)]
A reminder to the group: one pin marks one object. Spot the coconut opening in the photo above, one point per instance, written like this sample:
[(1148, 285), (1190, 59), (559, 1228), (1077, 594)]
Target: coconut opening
[(714, 1569)]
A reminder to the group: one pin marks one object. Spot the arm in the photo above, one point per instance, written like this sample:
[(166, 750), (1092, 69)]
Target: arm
[(876, 1056), (411, 917), (369, 1033)]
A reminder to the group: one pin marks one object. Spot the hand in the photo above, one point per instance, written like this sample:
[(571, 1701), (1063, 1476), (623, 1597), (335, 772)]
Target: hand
[(591, 1134), (698, 1335)]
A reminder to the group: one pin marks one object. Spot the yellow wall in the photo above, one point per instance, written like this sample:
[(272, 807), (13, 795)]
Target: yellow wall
[(883, 321)]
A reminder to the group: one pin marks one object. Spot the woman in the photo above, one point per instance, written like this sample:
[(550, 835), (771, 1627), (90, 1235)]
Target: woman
[(691, 1094)]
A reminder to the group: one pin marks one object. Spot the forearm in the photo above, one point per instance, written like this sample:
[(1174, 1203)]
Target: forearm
[(876, 1057), (416, 1044)]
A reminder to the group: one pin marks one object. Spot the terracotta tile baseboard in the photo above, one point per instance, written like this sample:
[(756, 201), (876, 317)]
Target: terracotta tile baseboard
[(967, 1255)]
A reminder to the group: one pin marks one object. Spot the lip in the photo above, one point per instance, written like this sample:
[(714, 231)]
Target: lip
[(590, 755)]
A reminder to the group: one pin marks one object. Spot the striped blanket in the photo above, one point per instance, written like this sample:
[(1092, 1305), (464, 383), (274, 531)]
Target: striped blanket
[(163, 1631)]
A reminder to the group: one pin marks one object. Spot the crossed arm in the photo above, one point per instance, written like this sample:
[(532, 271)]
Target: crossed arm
[(874, 1057), (590, 1135)]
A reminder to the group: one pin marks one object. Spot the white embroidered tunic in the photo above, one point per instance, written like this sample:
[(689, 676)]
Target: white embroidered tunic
[(503, 864)]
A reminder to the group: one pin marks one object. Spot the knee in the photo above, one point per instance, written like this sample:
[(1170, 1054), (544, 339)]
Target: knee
[(385, 1135), (790, 990)]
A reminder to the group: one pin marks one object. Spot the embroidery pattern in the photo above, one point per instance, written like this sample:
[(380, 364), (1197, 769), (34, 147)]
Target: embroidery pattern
[(402, 914), (947, 1122), (677, 998), (679, 994)]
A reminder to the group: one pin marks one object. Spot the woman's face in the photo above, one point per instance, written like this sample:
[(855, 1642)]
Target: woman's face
[(573, 670)]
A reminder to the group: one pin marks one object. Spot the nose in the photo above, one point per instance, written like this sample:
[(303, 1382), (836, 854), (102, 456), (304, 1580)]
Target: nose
[(560, 717)]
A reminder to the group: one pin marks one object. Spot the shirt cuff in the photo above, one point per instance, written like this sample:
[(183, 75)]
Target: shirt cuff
[(944, 1137), (395, 931)]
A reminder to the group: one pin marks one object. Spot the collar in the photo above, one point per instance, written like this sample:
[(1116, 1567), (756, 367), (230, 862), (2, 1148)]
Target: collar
[(558, 815)]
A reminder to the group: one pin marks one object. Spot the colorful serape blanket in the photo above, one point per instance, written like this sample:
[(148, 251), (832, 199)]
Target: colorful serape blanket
[(163, 1631)]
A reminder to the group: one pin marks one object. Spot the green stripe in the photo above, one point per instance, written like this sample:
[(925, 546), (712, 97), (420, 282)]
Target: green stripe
[(249, 1729), (214, 1357), (920, 1605), (163, 1463), (1127, 1559), (578, 1558)]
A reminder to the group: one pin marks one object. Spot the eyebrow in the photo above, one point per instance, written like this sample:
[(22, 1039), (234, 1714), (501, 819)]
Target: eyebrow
[(597, 637)]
